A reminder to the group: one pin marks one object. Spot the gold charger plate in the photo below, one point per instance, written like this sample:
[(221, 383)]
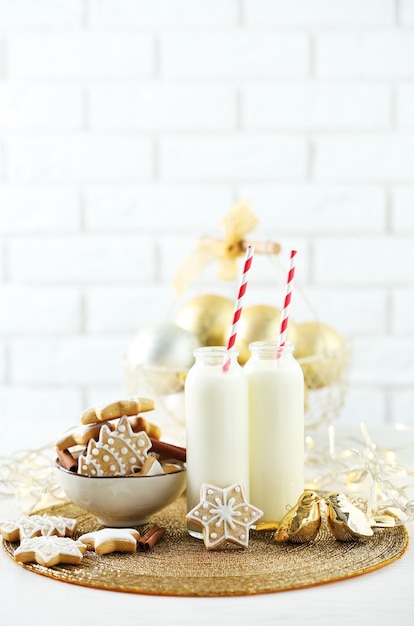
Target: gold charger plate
[(179, 565)]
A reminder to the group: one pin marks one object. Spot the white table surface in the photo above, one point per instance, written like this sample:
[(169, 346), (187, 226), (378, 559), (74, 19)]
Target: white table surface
[(382, 597)]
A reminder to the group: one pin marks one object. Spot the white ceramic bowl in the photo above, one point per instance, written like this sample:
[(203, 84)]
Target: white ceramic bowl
[(122, 501)]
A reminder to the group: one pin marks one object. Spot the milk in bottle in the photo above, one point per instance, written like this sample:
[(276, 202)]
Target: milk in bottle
[(276, 418), (216, 417)]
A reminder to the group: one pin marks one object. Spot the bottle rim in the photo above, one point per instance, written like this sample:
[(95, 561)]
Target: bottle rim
[(271, 345), (215, 350)]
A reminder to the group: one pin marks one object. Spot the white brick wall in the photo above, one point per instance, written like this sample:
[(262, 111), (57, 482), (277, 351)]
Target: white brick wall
[(128, 128)]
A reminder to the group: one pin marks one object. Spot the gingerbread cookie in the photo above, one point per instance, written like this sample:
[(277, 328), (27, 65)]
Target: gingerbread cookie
[(224, 515), (116, 409), (109, 540), (139, 423), (151, 467), (50, 550), (28, 526), (82, 434), (116, 453)]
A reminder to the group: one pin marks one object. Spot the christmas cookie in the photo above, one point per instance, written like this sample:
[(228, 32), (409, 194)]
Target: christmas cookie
[(116, 453), (50, 550), (109, 540), (82, 434), (224, 515), (151, 467), (28, 526), (139, 423), (116, 409)]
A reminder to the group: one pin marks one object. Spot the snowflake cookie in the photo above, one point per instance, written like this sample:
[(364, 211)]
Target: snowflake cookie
[(224, 515), (109, 540), (28, 526), (50, 550)]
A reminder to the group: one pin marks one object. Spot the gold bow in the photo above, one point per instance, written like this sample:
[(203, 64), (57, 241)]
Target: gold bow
[(236, 224)]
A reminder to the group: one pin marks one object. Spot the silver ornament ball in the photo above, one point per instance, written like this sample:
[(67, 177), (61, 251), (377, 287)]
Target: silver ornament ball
[(163, 345)]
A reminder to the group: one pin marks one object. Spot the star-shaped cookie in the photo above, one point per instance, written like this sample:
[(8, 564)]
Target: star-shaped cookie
[(28, 526), (50, 550), (224, 515), (109, 540)]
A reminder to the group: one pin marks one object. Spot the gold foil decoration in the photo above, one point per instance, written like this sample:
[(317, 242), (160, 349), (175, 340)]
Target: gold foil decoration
[(302, 523), (236, 224), (345, 520)]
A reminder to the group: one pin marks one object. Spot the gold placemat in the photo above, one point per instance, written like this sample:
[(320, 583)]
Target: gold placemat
[(179, 565)]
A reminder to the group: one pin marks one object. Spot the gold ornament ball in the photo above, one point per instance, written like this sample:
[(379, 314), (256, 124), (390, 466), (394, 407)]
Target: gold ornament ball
[(321, 352), (260, 322), (208, 317)]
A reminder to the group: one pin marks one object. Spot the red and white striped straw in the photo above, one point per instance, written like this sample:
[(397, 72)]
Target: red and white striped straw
[(284, 321), (239, 304)]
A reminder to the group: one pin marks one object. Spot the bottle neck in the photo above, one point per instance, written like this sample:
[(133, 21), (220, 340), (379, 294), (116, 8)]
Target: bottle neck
[(271, 350), (215, 355)]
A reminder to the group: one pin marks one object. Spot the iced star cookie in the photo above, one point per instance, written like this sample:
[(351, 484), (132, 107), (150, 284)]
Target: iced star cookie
[(224, 515), (117, 452), (50, 550), (28, 526), (109, 540)]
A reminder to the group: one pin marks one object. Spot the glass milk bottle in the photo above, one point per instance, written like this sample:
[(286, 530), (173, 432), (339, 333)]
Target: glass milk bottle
[(216, 416), (276, 418)]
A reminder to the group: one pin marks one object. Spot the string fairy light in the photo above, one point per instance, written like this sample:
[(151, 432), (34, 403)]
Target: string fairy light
[(357, 465)]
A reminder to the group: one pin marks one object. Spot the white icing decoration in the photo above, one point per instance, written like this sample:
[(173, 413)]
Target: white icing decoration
[(50, 549), (28, 526), (116, 453), (228, 511), (99, 537)]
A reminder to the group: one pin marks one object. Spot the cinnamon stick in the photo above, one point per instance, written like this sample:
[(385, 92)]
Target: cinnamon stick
[(67, 460), (168, 450), (147, 542)]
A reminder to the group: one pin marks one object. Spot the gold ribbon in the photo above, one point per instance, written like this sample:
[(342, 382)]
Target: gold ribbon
[(236, 224)]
